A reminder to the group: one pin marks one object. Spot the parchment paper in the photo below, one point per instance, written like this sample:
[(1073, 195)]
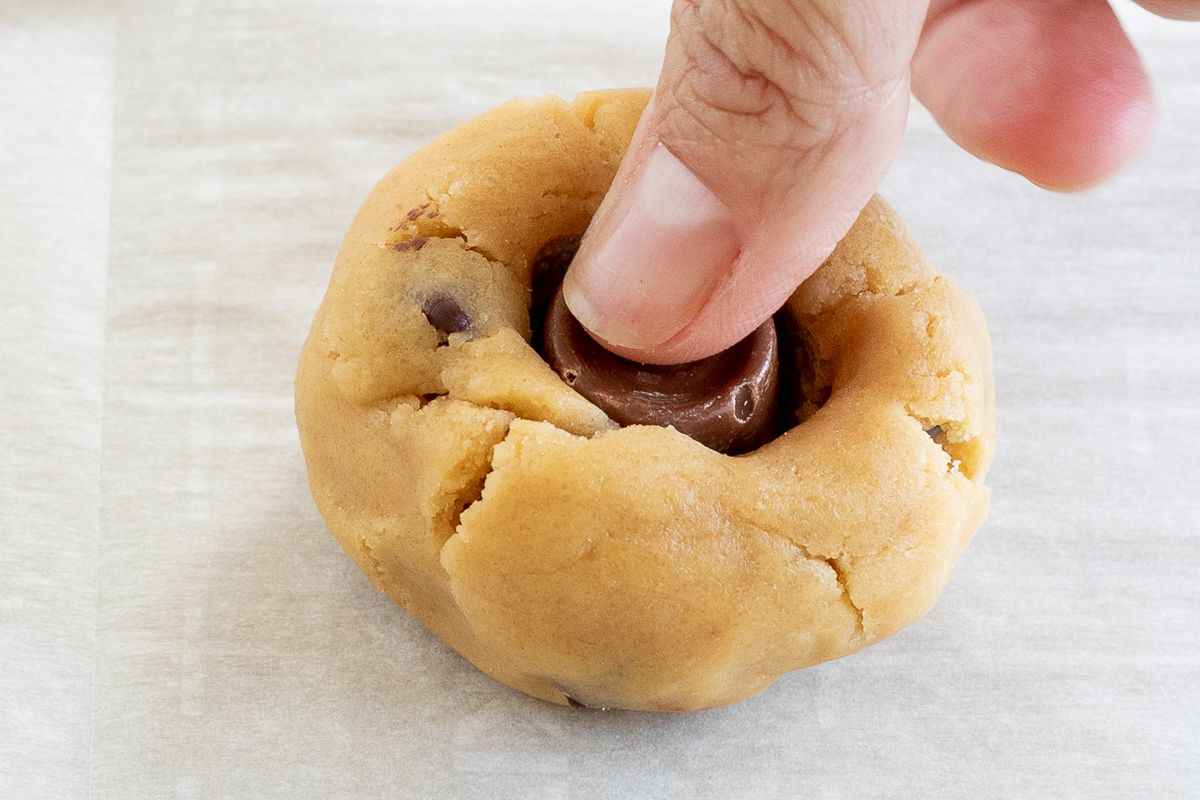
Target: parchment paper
[(174, 619)]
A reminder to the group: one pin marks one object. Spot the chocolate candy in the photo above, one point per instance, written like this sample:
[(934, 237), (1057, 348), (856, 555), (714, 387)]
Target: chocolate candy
[(727, 401), (546, 275), (548, 269)]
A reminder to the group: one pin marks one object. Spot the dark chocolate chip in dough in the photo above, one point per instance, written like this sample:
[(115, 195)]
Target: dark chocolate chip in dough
[(415, 243), (934, 432), (446, 315), (727, 402), (413, 213)]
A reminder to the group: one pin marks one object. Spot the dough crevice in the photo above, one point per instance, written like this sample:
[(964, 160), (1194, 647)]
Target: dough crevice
[(842, 572), (425, 230), (839, 570)]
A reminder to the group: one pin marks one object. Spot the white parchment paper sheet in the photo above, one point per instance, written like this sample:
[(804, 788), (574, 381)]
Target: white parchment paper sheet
[(174, 620)]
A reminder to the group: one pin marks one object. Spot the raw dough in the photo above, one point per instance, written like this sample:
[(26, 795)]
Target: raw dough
[(632, 567)]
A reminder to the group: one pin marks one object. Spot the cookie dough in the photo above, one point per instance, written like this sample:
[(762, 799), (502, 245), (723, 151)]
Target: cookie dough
[(591, 564)]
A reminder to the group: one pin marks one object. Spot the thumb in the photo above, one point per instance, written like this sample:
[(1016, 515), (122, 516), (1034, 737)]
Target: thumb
[(771, 126)]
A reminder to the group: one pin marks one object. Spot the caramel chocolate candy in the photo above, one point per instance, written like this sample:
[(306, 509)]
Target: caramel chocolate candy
[(726, 401)]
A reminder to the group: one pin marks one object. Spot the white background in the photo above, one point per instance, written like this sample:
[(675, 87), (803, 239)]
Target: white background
[(175, 178)]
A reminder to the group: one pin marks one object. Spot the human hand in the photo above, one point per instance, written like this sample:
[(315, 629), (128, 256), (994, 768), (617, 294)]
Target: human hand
[(775, 120)]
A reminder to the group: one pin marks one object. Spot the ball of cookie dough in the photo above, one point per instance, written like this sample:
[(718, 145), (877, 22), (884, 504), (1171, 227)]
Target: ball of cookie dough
[(587, 563)]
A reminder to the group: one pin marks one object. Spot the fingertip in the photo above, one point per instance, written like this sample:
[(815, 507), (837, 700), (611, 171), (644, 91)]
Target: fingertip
[(652, 255), (1054, 92), (759, 284), (1099, 130)]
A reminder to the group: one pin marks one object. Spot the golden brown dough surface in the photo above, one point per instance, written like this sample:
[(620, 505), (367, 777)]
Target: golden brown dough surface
[(629, 567)]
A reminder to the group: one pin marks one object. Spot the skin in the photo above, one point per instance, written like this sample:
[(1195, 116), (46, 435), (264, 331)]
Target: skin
[(774, 121)]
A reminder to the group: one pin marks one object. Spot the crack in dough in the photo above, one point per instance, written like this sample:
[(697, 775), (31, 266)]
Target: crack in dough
[(429, 227), (843, 578), (377, 572), (504, 371), (839, 572)]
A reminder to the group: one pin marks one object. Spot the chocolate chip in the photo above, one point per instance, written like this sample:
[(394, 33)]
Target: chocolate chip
[(934, 432), (415, 243), (413, 213), (727, 402), (446, 315)]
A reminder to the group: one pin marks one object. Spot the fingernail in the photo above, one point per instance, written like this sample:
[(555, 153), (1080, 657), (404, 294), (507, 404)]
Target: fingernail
[(652, 255)]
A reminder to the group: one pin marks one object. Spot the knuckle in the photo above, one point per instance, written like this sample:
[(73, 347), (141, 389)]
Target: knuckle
[(792, 72)]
